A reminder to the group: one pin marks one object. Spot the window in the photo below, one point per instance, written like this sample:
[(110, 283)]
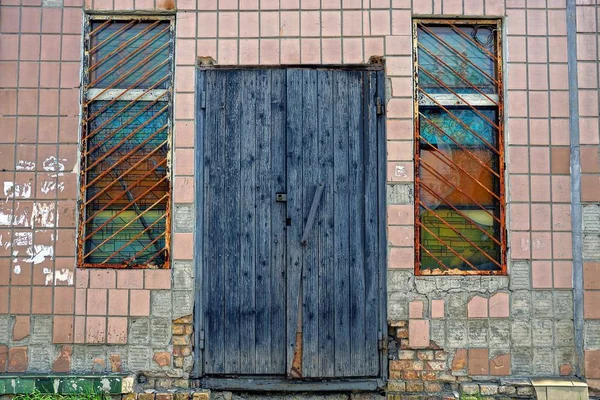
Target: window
[(458, 148), (125, 177)]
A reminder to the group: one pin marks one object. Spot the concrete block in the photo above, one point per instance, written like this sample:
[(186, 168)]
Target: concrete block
[(520, 307), (521, 333), (563, 304), (41, 329), (139, 358), (520, 275), (499, 335), (522, 359), (563, 333), (591, 218), (184, 216), (543, 361), (183, 303), (160, 303), (397, 305), (456, 305), (400, 194), (183, 275), (456, 333), (542, 304), (542, 330), (591, 246), (139, 331), (478, 332)]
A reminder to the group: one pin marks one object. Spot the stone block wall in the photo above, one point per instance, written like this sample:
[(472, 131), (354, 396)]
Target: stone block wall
[(105, 320)]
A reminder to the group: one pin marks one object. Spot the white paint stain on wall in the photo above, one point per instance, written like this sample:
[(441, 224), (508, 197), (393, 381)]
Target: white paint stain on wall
[(54, 166), (38, 253), (23, 239), (49, 186), (63, 275), (23, 165), (17, 191), (44, 215)]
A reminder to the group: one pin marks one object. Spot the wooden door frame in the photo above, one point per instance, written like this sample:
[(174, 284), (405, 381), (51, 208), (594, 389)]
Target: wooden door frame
[(269, 383)]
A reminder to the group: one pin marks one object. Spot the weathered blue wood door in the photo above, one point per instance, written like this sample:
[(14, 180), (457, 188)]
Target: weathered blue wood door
[(291, 246)]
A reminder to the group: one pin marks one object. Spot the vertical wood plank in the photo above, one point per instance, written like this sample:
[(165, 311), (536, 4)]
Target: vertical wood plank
[(199, 165), (371, 222), (356, 226), (310, 181), (247, 223), (230, 198), (342, 297), (325, 226), (278, 217), (294, 207), (214, 260)]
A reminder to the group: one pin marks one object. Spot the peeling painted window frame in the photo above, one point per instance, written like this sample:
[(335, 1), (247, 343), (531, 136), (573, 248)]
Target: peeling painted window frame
[(476, 100), (88, 93)]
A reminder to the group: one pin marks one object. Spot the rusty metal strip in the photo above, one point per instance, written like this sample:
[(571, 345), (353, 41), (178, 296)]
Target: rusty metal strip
[(102, 25), (111, 37), (437, 260), (460, 32), (146, 247)]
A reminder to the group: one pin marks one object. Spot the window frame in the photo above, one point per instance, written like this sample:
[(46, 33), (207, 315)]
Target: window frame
[(91, 94), (478, 100)]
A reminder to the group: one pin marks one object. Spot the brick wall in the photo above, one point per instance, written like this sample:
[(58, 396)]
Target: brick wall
[(519, 325)]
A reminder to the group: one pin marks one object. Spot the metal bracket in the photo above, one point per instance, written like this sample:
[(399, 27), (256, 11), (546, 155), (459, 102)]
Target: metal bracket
[(379, 106), (281, 197)]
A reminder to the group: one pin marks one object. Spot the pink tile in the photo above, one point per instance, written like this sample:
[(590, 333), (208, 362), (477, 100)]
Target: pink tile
[(562, 245), (9, 20), (400, 171), (518, 159), (586, 19), (518, 188), (332, 51), (418, 333), (207, 24), (184, 104), (399, 129), (331, 23), (494, 7), (117, 330), (477, 307), (536, 22), (158, 279), (563, 274), (353, 51), (401, 22), (422, 7), (561, 217), (185, 51), (269, 24), (269, 4), (399, 108), (437, 309), (249, 24), (290, 51), (519, 217), (540, 188), (557, 74), (541, 245), (401, 257), (499, 305), (183, 244), (588, 103), (557, 22), (96, 301), (538, 104), (186, 25), (559, 49), (269, 51), (352, 23), (249, 51), (398, 45), (310, 23), (401, 214), (79, 330), (415, 309), (515, 22), (183, 188), (541, 274), (517, 77), (401, 235), (401, 86), (517, 48), (380, 22), (184, 162), (80, 301), (289, 23), (95, 330), (310, 51), (539, 132), (540, 217), (561, 189), (118, 301), (139, 303), (399, 66), (249, 4), (185, 80), (400, 151), (130, 279), (538, 77), (540, 160), (103, 278), (517, 106)]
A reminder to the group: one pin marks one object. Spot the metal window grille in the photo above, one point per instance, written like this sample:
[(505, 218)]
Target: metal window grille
[(459, 160), (126, 132)]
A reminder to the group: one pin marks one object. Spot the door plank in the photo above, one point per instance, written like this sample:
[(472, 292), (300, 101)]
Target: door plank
[(341, 210), (230, 198), (308, 189), (326, 226), (356, 226), (248, 219), (279, 214), (371, 224)]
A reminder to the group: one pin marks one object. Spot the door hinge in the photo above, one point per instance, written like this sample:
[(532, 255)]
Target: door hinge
[(379, 106), (381, 341), (203, 99), (201, 339)]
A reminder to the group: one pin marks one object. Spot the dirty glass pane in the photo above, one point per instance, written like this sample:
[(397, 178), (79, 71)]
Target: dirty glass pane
[(457, 58), (128, 192), (130, 54)]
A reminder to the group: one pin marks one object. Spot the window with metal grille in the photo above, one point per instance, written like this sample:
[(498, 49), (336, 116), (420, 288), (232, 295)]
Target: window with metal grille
[(126, 131), (459, 161)]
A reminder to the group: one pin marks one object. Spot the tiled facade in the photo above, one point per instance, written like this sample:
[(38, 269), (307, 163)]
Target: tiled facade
[(521, 325)]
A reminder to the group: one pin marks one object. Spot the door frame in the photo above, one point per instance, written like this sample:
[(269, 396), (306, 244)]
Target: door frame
[(269, 383)]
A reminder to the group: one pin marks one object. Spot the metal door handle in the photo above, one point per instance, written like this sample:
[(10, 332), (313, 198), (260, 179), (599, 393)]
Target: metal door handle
[(312, 214)]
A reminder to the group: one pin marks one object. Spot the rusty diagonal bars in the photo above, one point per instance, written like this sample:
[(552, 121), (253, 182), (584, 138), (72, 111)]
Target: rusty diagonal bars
[(122, 46), (145, 248), (123, 193), (443, 42), (100, 176), (460, 32), (437, 260), (447, 182), (136, 238), (126, 225), (429, 121), (102, 25), (129, 56), (459, 233), (126, 138), (131, 203), (473, 223), (116, 97), (454, 117), (127, 107), (446, 245), (460, 98), (440, 155), (111, 37), (123, 125), (439, 60)]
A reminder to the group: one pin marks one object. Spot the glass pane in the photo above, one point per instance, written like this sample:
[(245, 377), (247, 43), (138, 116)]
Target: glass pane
[(460, 58), (130, 54)]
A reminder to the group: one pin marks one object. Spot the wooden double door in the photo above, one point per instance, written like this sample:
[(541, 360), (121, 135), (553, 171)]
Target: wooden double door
[(290, 230)]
